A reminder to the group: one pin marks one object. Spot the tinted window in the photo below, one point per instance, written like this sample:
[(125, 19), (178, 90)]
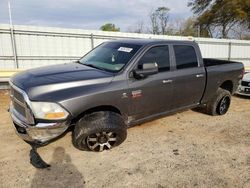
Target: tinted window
[(159, 55), (185, 57)]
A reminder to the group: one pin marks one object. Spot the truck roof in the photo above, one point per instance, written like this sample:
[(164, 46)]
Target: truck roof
[(152, 41)]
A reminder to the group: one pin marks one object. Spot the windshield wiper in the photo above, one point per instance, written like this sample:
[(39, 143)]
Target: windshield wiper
[(93, 66), (89, 65), (77, 61)]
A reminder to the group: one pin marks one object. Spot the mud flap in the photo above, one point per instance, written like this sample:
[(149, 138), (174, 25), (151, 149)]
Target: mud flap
[(35, 158)]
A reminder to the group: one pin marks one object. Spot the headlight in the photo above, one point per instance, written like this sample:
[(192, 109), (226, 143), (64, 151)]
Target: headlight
[(48, 110)]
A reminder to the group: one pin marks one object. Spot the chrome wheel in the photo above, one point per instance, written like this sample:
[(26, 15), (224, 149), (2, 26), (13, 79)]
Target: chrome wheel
[(224, 105), (101, 141)]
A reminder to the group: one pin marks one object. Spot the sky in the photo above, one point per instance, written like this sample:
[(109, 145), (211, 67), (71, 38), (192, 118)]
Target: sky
[(88, 14)]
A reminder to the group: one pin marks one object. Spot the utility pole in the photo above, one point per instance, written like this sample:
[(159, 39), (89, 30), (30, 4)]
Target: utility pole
[(198, 31), (13, 42)]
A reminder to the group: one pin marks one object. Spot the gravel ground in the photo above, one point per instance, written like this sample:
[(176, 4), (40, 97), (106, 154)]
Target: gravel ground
[(188, 149)]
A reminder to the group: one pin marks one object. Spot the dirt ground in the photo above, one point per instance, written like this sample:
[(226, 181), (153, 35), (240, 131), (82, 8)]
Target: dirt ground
[(188, 149)]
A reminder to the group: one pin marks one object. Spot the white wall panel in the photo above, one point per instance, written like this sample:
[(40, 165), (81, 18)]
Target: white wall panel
[(217, 50), (40, 46), (240, 51), (7, 64), (5, 45)]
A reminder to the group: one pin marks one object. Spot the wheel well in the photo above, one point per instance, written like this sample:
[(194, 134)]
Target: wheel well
[(227, 85), (97, 109)]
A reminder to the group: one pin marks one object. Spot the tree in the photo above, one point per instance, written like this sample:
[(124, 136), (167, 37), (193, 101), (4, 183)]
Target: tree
[(243, 11), (240, 31), (159, 20), (189, 28), (186, 27), (220, 15), (163, 16), (154, 23), (192, 28), (109, 27)]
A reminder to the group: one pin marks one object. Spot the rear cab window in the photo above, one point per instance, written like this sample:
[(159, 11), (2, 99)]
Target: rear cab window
[(185, 57)]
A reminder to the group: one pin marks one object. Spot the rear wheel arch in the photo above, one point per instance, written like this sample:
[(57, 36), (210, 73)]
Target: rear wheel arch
[(227, 85), (215, 106)]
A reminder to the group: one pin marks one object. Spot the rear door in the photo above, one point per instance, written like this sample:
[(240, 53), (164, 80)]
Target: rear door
[(190, 77)]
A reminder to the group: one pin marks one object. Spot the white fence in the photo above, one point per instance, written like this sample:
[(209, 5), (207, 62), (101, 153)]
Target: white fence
[(39, 46)]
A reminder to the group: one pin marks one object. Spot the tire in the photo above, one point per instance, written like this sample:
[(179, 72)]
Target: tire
[(99, 131), (220, 103)]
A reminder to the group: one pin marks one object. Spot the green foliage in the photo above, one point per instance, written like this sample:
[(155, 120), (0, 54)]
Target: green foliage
[(109, 27), (190, 28), (221, 15), (186, 27)]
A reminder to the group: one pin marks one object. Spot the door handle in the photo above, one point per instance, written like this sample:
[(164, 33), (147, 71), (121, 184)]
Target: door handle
[(199, 75), (167, 81)]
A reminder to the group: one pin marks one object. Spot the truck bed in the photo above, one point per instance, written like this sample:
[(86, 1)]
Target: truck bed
[(218, 72), (212, 62)]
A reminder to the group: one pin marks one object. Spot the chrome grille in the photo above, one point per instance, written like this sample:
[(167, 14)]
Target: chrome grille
[(19, 108), (19, 102), (18, 96)]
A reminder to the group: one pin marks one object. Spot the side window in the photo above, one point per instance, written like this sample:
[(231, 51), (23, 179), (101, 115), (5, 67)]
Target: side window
[(185, 57), (159, 55)]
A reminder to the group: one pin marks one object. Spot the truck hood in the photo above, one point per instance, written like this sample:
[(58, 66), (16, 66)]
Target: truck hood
[(40, 82)]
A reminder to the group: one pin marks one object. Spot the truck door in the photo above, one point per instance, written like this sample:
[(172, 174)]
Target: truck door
[(190, 77), (152, 94)]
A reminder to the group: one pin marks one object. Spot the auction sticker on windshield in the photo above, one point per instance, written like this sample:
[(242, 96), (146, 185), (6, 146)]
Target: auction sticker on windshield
[(125, 49)]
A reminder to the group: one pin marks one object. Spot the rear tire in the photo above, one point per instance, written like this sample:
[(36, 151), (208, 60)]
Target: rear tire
[(219, 104), (99, 131)]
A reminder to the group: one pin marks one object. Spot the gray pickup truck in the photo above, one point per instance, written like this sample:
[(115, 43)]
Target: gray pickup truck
[(116, 85)]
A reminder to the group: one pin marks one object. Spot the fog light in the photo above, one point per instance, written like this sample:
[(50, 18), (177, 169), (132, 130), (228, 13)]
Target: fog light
[(21, 130)]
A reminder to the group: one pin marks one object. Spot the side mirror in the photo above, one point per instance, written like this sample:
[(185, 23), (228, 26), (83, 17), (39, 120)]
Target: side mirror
[(147, 69)]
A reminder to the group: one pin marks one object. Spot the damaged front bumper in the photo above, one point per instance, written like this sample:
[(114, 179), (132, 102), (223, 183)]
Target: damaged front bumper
[(40, 133)]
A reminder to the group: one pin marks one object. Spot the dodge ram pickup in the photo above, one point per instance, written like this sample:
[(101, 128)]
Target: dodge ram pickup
[(116, 85)]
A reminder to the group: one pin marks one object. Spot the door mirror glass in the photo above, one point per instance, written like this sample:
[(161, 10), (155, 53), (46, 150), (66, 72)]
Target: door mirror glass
[(147, 69)]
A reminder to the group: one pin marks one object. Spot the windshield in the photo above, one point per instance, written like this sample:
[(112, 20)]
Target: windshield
[(111, 56)]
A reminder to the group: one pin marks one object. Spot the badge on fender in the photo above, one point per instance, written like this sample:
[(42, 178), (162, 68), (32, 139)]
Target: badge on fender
[(136, 94)]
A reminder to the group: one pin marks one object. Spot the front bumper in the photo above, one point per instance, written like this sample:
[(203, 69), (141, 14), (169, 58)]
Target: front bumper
[(40, 133), (243, 90)]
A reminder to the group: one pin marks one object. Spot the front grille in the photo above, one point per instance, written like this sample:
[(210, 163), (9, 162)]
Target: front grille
[(18, 96), (20, 105), (244, 83), (19, 108)]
